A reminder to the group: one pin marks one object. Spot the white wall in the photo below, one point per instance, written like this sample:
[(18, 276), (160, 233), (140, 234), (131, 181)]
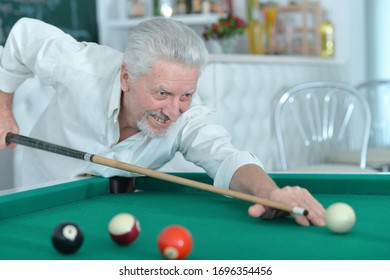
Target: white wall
[(355, 46), (378, 54)]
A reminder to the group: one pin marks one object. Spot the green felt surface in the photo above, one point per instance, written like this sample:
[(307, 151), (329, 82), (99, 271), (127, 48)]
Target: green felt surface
[(220, 225)]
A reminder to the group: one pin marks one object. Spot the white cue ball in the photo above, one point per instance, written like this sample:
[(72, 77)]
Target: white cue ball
[(340, 217)]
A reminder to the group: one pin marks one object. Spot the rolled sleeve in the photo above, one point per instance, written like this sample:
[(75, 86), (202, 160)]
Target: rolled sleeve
[(28, 53), (229, 166), (9, 82), (12, 71)]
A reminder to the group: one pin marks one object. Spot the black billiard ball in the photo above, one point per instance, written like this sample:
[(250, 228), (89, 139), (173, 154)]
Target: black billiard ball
[(67, 238)]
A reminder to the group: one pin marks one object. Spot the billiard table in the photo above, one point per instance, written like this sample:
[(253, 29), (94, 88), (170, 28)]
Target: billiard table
[(220, 225)]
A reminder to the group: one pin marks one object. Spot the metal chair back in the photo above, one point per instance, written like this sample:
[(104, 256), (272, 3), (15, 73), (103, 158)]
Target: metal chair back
[(377, 94), (315, 120)]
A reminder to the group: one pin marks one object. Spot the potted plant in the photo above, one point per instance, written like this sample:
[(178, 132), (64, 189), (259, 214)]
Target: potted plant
[(226, 31)]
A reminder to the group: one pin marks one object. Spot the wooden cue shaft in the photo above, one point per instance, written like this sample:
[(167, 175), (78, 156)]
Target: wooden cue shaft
[(191, 183), (49, 147)]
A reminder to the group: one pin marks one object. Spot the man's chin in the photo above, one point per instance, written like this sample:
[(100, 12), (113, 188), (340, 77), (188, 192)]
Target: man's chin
[(152, 131), (155, 133)]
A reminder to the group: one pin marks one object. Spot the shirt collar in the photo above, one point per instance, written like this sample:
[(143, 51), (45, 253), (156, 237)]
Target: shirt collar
[(115, 100)]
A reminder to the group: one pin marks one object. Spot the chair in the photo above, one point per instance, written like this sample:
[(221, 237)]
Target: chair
[(316, 121), (377, 94)]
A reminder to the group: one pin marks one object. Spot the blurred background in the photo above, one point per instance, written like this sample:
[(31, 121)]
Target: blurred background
[(347, 34)]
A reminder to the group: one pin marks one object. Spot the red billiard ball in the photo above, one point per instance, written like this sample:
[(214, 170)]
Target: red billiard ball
[(175, 242), (67, 238), (124, 228)]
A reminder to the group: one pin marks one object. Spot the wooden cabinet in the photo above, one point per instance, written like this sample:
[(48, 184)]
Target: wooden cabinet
[(298, 29)]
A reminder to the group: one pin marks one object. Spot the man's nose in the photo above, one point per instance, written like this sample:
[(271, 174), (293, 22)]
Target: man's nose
[(172, 109)]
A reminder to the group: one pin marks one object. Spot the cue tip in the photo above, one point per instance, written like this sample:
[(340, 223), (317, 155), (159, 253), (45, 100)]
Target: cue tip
[(300, 211)]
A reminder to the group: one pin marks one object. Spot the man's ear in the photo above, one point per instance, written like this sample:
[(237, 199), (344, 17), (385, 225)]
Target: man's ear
[(124, 79)]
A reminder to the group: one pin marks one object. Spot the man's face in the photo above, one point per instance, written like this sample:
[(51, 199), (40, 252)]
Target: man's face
[(157, 99)]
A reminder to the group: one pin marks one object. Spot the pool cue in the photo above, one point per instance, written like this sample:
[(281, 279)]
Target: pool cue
[(61, 150)]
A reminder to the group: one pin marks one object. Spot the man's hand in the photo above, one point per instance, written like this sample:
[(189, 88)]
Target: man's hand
[(253, 180), (7, 120), (293, 196)]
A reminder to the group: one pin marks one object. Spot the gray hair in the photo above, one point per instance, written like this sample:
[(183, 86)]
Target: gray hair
[(163, 38)]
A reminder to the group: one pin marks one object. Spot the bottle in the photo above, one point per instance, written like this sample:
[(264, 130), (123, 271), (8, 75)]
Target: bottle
[(156, 7), (327, 37), (205, 6), (255, 30)]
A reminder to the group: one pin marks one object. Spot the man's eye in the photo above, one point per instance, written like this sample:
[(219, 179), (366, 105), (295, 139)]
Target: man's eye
[(186, 97), (162, 93)]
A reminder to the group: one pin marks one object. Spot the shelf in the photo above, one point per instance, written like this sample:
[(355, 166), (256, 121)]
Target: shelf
[(191, 19), (272, 59), (298, 8)]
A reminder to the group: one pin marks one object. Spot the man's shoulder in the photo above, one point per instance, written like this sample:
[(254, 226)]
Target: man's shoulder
[(105, 54)]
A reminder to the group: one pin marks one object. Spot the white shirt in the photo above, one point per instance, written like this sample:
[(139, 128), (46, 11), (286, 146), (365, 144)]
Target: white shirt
[(83, 112)]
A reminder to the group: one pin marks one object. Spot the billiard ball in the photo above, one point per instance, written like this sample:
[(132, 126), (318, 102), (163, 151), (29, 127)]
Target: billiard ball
[(124, 228), (175, 242), (340, 217), (67, 238)]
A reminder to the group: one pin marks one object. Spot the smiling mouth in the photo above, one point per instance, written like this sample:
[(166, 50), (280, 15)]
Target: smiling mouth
[(160, 118)]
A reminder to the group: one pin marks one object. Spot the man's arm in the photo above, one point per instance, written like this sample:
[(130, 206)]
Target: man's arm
[(28, 41), (7, 120), (252, 179)]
